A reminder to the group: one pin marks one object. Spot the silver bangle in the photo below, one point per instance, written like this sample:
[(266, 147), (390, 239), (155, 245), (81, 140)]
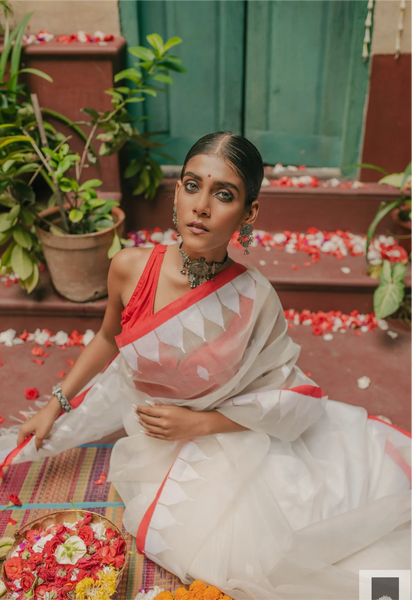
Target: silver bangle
[(61, 398)]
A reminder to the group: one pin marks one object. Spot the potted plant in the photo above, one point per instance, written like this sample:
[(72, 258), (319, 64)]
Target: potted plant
[(389, 297), (75, 218)]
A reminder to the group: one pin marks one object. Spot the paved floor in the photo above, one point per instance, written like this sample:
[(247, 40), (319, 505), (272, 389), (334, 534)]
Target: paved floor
[(335, 365)]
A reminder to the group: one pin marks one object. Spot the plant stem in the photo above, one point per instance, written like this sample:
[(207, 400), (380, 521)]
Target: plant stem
[(39, 119), (56, 186)]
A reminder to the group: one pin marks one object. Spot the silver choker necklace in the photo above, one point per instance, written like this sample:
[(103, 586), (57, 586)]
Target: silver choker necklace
[(198, 270)]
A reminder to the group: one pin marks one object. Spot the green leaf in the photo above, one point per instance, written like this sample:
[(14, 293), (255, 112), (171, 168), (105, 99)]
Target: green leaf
[(90, 111), (5, 237), (8, 164), (172, 42), (394, 179), (163, 78), (5, 222), (55, 231), (173, 65), (76, 215), (122, 90), (89, 184), (367, 166), (14, 139), (131, 74), (103, 224), (31, 282), (6, 256), (134, 167), (149, 91), (155, 41), (387, 299), (26, 216), (115, 246), (22, 237), (34, 72), (398, 272), (21, 262), (131, 100), (406, 176), (142, 53), (6, 200)]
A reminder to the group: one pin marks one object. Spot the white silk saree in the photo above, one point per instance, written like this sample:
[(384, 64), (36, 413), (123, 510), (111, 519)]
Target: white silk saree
[(290, 509)]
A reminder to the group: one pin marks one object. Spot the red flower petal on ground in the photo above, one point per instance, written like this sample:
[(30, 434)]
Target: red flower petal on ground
[(11, 521), (1, 419), (31, 393), (61, 373), (46, 354), (24, 336), (316, 330), (38, 361), (15, 500), (37, 351)]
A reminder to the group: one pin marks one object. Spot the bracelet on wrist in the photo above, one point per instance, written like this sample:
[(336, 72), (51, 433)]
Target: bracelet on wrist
[(61, 398)]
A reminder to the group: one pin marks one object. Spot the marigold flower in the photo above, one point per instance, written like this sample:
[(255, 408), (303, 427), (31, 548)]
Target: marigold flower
[(212, 593), (84, 588), (197, 586), (164, 596), (183, 594)]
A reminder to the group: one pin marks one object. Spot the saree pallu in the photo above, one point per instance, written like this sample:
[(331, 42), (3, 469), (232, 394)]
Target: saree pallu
[(290, 508)]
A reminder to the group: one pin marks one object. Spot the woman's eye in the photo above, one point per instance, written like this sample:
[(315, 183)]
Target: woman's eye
[(227, 198), (190, 183)]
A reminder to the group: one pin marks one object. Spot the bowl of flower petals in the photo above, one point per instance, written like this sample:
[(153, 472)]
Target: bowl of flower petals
[(66, 555)]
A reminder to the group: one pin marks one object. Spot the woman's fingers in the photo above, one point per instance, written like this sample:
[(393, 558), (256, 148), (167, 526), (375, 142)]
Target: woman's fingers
[(154, 429), (144, 419)]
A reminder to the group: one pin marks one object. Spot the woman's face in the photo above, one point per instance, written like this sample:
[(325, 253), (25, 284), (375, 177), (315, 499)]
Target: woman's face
[(213, 194)]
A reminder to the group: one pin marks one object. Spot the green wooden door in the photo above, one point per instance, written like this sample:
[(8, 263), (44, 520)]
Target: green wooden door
[(286, 74), (301, 58), (209, 96)]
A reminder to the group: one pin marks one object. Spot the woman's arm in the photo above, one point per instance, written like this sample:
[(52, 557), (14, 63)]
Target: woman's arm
[(95, 356), (169, 422)]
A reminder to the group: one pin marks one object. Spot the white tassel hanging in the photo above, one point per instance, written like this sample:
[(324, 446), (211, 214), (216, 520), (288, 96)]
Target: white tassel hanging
[(402, 8), (368, 25)]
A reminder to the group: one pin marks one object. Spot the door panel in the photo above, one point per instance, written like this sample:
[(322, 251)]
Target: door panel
[(297, 73), (209, 96)]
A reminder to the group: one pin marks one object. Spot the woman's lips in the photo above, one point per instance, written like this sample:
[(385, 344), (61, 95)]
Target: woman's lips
[(196, 230)]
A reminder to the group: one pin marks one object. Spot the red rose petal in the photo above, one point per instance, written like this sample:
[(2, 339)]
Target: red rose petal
[(11, 521), (31, 393), (61, 373)]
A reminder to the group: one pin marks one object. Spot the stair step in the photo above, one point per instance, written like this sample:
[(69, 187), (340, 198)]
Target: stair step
[(294, 209), (320, 286)]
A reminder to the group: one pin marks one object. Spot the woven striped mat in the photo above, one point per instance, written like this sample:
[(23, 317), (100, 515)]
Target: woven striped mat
[(46, 486)]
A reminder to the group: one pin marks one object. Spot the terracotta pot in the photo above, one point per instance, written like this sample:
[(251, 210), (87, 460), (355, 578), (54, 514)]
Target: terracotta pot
[(402, 228), (78, 264)]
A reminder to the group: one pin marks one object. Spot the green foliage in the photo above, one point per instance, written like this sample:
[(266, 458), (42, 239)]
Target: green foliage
[(118, 126), (390, 292), (24, 155)]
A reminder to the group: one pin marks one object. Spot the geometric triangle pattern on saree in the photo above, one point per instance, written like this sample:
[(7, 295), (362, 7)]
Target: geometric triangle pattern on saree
[(193, 319)]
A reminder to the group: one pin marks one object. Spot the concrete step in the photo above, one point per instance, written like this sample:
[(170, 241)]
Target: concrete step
[(280, 208), (320, 286)]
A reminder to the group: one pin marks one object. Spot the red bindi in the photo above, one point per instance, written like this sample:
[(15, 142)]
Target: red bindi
[(208, 175)]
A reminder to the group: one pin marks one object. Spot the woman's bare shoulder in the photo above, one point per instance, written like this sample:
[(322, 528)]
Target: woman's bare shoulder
[(129, 261)]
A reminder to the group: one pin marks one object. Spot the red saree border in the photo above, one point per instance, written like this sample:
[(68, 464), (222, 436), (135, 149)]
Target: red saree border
[(174, 308), (407, 433), (141, 534)]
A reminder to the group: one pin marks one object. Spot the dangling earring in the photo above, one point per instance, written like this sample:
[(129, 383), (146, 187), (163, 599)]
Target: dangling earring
[(175, 219), (245, 236)]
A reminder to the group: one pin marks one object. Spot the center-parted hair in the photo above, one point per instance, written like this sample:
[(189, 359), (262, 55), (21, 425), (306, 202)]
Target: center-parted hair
[(236, 149)]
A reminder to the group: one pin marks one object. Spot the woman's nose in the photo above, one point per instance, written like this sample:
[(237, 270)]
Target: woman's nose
[(202, 204)]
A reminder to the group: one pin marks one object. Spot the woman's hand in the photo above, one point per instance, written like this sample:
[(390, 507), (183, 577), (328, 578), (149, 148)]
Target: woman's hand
[(40, 424), (170, 423)]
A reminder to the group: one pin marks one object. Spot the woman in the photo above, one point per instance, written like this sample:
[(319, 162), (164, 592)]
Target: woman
[(237, 469)]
